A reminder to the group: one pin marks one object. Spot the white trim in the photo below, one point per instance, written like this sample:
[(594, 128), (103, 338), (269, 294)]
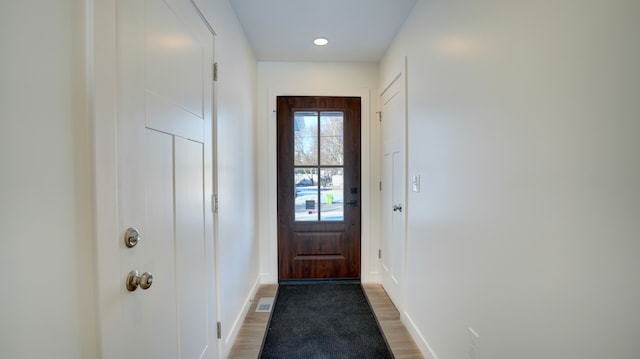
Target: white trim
[(422, 343), (101, 46), (270, 207)]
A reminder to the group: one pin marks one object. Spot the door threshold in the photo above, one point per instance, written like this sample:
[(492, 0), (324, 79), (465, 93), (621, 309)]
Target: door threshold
[(319, 280)]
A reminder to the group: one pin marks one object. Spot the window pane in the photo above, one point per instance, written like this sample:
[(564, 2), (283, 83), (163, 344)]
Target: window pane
[(331, 138), (307, 204), (306, 138), (331, 194)]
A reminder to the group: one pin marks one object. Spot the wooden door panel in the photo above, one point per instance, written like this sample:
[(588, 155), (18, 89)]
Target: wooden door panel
[(319, 244), (315, 246)]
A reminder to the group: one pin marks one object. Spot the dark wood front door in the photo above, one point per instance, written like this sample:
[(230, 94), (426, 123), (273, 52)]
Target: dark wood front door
[(318, 187)]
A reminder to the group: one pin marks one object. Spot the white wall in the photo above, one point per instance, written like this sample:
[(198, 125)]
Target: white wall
[(238, 259), (322, 79), (523, 123), (46, 252)]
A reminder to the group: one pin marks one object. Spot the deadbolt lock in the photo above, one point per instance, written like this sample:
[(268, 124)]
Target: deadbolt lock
[(131, 237)]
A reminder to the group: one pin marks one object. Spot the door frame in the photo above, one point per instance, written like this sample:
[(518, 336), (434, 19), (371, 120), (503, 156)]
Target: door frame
[(269, 257), (101, 56), (101, 53)]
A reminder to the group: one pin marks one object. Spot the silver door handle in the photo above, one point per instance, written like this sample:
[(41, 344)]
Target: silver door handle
[(397, 208), (135, 280)]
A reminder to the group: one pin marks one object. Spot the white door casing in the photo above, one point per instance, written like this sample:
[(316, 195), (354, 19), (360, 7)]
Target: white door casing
[(393, 108), (164, 172)]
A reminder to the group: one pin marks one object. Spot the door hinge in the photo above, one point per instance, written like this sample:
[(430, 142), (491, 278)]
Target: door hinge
[(215, 71), (379, 253), (219, 328), (379, 116), (380, 186), (214, 203)]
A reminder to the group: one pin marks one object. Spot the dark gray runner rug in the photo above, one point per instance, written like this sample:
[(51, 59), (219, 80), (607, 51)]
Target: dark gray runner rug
[(323, 320)]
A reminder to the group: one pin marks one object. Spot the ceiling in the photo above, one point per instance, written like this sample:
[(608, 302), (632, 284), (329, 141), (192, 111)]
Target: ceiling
[(358, 30)]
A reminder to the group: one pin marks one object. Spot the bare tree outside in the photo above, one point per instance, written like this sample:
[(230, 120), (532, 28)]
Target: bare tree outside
[(332, 139), (306, 139), (331, 146)]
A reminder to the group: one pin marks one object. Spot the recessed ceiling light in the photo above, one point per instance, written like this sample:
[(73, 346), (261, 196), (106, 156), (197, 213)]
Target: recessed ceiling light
[(321, 41)]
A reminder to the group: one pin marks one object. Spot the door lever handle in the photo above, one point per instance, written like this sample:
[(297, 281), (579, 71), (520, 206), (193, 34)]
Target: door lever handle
[(397, 208), (353, 203)]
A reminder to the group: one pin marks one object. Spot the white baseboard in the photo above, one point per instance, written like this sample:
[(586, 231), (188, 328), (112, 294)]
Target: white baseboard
[(237, 324), (418, 338)]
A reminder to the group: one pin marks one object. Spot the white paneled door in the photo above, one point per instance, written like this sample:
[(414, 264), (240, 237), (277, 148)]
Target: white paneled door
[(394, 191), (165, 183)]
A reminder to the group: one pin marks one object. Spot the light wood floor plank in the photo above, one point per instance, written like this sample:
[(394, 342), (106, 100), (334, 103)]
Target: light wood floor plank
[(249, 340), (398, 337)]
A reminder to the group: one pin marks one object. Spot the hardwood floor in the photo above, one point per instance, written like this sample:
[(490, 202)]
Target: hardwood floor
[(398, 337), (249, 340)]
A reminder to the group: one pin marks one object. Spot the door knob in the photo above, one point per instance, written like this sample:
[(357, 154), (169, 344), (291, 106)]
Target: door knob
[(397, 208), (135, 280), (131, 237)]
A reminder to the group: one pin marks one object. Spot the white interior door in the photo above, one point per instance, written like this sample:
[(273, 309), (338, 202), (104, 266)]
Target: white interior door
[(165, 182), (394, 191)]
